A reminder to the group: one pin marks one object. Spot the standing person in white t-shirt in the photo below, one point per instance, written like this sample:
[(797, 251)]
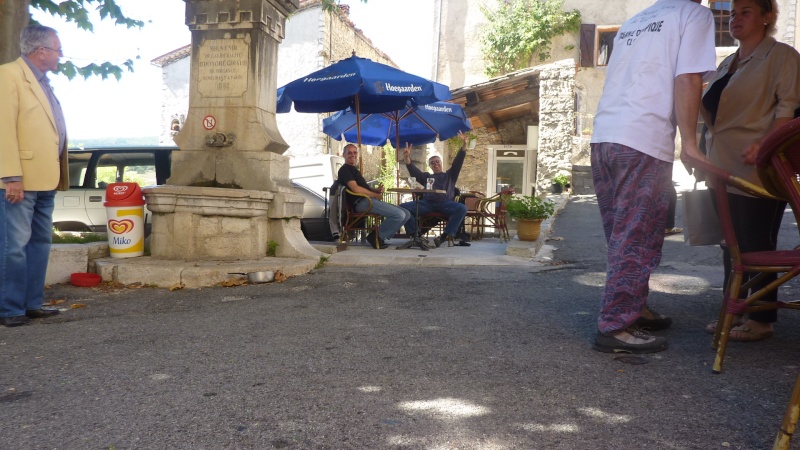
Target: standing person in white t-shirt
[(653, 83)]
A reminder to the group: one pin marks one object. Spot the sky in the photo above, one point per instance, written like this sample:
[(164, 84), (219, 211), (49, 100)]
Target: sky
[(97, 108)]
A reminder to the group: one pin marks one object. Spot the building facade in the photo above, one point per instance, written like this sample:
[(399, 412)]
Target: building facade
[(535, 124)]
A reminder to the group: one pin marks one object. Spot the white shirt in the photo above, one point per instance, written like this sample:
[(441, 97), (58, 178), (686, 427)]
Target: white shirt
[(670, 38)]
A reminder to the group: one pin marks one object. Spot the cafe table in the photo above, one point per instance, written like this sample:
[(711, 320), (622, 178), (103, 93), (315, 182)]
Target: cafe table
[(416, 240)]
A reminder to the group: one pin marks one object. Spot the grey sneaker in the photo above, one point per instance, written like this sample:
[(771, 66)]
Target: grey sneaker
[(658, 322), (636, 341)]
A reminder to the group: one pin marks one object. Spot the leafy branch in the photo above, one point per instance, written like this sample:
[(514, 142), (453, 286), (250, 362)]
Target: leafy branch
[(78, 12), (454, 143), (388, 173), (518, 31)]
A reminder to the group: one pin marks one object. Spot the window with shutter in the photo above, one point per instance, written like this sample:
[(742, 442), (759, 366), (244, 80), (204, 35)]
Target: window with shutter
[(597, 43), (588, 32)]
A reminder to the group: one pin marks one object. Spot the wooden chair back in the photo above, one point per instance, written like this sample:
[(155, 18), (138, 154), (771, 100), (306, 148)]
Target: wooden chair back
[(355, 222)]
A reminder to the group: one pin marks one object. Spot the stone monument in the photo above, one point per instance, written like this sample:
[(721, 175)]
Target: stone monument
[(229, 194)]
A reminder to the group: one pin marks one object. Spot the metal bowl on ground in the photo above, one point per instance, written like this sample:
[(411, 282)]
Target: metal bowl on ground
[(263, 276)]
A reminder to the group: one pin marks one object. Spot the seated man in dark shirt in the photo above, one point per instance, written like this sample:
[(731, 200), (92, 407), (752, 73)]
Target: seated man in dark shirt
[(434, 202), (393, 216)]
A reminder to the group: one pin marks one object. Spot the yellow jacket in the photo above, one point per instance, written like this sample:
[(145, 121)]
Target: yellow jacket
[(28, 135)]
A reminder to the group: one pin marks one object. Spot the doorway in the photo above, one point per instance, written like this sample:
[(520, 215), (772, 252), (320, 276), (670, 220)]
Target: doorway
[(510, 167)]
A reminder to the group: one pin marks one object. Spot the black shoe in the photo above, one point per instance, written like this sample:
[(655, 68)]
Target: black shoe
[(646, 343), (375, 243), (658, 322), (443, 238), (15, 321), (41, 313), (463, 243)]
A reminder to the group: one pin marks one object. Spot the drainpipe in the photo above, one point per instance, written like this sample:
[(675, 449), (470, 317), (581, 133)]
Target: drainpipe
[(438, 44)]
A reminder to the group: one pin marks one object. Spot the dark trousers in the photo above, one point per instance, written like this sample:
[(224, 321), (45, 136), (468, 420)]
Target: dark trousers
[(673, 201), (756, 222)]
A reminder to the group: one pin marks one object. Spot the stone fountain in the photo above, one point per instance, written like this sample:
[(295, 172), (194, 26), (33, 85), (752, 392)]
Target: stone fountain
[(229, 196)]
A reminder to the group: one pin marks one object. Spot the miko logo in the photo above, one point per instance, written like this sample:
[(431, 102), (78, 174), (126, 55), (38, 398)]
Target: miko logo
[(120, 226), (120, 189)]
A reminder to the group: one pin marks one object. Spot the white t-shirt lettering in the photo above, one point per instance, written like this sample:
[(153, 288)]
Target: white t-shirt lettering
[(636, 109)]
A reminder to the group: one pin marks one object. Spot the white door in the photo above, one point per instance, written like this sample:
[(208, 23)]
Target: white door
[(509, 167)]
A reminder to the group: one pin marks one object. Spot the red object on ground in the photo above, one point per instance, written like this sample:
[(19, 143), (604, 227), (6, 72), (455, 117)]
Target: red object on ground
[(85, 279)]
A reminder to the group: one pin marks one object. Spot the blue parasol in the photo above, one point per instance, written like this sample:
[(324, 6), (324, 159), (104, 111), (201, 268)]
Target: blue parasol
[(413, 125), (361, 84)]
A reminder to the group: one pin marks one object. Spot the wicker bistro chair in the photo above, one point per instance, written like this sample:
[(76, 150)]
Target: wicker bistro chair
[(358, 222), (786, 263), (778, 163), (471, 200), (492, 214), (432, 221)]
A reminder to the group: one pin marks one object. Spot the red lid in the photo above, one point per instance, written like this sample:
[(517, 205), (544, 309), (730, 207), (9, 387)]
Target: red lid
[(124, 194)]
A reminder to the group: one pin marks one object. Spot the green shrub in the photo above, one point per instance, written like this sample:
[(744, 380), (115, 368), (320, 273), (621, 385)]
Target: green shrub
[(529, 207), (80, 238), (561, 179)]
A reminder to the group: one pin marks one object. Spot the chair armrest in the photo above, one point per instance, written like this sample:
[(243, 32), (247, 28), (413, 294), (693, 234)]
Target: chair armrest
[(349, 192), (703, 165), (483, 204)]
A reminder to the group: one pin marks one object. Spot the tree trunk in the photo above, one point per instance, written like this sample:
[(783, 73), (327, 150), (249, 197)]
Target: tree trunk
[(14, 16)]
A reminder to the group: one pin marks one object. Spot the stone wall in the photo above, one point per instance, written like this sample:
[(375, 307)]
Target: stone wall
[(556, 122)]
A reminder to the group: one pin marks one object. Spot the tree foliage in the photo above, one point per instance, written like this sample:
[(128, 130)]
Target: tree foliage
[(15, 14), (388, 175), (518, 31), (79, 13), (330, 5)]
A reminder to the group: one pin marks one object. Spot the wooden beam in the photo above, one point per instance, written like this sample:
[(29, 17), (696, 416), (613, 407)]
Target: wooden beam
[(488, 123), (472, 99), (501, 103)]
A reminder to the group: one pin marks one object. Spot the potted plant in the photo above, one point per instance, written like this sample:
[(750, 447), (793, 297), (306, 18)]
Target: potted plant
[(560, 182), (529, 211)]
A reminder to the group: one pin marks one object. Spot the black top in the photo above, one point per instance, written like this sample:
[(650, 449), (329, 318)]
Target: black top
[(351, 173), (713, 94)]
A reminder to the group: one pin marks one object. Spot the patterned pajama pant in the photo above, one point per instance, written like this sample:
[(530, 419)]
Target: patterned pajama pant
[(632, 192)]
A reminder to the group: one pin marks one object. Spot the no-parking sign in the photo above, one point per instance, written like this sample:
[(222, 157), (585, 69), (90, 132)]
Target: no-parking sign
[(209, 122)]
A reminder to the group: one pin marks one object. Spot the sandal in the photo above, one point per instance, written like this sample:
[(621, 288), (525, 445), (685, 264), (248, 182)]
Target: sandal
[(675, 230), (746, 334), (737, 322)]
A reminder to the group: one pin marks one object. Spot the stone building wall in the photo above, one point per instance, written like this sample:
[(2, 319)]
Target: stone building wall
[(556, 122), (175, 68), (325, 38)]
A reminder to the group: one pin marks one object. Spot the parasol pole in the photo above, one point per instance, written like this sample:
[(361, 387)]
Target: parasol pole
[(358, 134), (396, 154)]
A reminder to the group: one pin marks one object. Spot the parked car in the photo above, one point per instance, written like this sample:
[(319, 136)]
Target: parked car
[(92, 169)]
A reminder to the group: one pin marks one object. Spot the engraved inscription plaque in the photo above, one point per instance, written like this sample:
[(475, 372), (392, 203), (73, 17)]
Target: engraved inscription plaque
[(222, 65)]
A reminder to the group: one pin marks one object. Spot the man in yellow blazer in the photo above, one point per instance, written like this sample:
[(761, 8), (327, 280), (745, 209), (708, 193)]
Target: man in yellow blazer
[(33, 165)]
